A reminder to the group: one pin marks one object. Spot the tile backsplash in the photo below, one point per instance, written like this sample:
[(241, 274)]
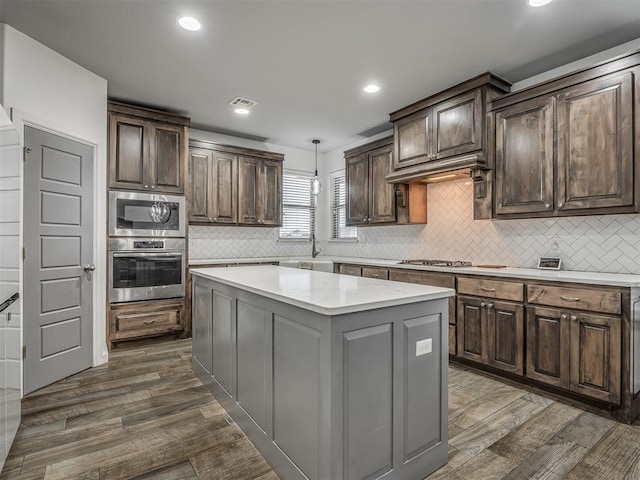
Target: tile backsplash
[(603, 243)]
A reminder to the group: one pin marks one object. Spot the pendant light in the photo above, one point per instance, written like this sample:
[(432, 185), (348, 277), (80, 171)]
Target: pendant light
[(316, 186)]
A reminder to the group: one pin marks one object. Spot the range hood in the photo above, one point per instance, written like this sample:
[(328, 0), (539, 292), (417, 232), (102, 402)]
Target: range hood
[(438, 171)]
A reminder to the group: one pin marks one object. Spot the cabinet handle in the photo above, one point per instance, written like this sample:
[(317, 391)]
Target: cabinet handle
[(560, 205), (570, 299), (483, 304), (547, 205), (489, 305), (149, 322), (376, 275), (563, 317), (152, 187), (485, 289), (573, 318), (146, 187), (260, 221)]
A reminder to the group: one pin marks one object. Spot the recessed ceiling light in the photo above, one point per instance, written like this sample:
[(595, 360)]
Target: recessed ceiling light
[(537, 3), (242, 111), (372, 88), (189, 23)]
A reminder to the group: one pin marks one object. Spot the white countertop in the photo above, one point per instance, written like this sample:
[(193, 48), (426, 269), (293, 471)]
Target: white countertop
[(320, 292), (593, 278)]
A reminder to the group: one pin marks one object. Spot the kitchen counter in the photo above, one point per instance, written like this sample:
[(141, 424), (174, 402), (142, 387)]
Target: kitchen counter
[(329, 376), (321, 292), (592, 278)]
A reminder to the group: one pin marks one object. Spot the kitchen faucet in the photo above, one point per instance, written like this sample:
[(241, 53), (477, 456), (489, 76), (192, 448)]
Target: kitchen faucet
[(314, 252)]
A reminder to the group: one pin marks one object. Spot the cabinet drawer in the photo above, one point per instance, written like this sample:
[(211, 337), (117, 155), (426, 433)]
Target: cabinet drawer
[(351, 270), (491, 289), (575, 298), (373, 272), (423, 278), (129, 325)]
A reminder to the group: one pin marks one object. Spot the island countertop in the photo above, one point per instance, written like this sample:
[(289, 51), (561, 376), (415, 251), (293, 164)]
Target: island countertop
[(320, 292)]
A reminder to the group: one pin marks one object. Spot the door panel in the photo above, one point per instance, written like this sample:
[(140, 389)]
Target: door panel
[(412, 140), (223, 197), (58, 326), (596, 366), (357, 178), (506, 337), (524, 157), (165, 157), (127, 150), (595, 144), (248, 190), (472, 325), (382, 202), (548, 346), (457, 125), (199, 173), (269, 193)]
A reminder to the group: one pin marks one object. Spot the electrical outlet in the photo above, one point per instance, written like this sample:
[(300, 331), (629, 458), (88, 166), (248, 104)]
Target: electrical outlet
[(424, 346)]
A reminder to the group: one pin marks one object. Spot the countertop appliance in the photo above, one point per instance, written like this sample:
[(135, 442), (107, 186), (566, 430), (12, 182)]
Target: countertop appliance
[(146, 269), (436, 263), (135, 214)]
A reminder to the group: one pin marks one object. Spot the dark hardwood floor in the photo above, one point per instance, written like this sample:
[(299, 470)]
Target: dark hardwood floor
[(144, 415)]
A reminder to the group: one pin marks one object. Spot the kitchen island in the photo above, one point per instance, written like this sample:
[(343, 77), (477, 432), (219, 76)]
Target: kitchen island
[(330, 376)]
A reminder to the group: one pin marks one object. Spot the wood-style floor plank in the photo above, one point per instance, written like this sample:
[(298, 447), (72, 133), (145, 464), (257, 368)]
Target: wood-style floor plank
[(145, 415)]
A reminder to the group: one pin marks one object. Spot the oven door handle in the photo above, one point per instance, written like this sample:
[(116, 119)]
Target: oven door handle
[(149, 254)]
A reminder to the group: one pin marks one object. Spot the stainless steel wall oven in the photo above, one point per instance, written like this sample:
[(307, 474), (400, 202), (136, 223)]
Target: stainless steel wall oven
[(146, 269)]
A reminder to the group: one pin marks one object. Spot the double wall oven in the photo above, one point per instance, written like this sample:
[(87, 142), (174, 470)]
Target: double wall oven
[(146, 246)]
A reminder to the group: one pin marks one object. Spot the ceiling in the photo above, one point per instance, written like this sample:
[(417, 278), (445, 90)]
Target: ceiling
[(306, 61)]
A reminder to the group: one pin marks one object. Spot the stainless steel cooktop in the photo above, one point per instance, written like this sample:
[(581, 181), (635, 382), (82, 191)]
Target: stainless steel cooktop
[(436, 263)]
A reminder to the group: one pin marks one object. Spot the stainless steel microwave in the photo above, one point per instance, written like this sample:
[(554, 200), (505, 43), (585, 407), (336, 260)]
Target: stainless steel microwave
[(133, 214)]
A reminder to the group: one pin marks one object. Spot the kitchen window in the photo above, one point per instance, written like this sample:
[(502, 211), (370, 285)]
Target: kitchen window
[(339, 231), (298, 207)]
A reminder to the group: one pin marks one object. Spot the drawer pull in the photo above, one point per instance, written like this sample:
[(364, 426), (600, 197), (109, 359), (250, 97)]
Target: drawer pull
[(563, 317), (489, 306), (486, 289), (483, 304), (573, 318), (149, 322), (570, 299), (376, 275)]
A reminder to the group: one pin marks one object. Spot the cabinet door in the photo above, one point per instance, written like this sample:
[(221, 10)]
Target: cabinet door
[(270, 193), (596, 342), (457, 125), (166, 158), (382, 201), (128, 150), (505, 335), (222, 194), (595, 144), (201, 325), (524, 157), (472, 329), (200, 186), (248, 172), (412, 139), (548, 346), (356, 177)]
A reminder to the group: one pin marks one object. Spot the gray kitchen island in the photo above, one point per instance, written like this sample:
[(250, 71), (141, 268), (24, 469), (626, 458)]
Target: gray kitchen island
[(330, 376)]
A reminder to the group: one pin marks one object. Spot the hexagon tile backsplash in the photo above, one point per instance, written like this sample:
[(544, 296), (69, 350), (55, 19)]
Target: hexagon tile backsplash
[(604, 243)]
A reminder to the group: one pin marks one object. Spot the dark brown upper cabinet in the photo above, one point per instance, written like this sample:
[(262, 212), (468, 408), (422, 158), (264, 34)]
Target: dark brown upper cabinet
[(444, 132), (370, 199), (234, 186), (566, 147), (147, 149)]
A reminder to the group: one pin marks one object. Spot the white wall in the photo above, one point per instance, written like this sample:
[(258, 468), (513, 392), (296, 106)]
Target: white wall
[(42, 88)]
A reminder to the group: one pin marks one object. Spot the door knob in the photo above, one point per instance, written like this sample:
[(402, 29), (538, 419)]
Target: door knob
[(90, 267)]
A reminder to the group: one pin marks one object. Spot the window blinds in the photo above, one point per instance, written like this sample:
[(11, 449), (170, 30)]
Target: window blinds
[(298, 207), (338, 208)]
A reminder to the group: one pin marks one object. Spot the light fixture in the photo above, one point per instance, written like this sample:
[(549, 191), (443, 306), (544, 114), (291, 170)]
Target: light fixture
[(242, 111), (372, 88), (189, 23), (316, 186), (537, 3)]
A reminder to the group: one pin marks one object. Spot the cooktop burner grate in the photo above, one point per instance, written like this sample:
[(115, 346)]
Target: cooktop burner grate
[(436, 263)]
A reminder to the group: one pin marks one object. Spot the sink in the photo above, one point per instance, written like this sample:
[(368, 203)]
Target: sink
[(309, 264)]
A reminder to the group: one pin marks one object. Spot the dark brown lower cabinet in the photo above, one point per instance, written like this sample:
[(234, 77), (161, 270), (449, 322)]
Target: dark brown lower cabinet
[(580, 352), (491, 333)]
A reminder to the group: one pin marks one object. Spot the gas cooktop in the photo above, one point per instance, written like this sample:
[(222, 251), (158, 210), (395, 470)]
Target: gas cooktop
[(436, 263)]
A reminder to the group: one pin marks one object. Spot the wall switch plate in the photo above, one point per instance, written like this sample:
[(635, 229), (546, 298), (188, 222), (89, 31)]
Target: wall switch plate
[(423, 347)]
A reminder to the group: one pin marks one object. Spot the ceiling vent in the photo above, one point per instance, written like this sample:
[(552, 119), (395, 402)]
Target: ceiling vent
[(240, 102)]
